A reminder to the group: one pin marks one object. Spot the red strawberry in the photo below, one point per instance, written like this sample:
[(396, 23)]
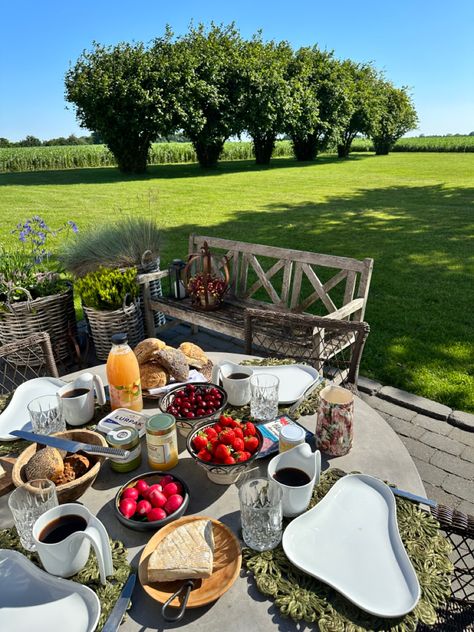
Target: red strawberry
[(217, 428), (225, 421), (204, 455), (212, 443), (210, 432), (234, 423), (229, 460), (251, 444), (241, 456), (227, 436), (249, 428), (238, 432), (222, 452), (200, 441), (238, 444)]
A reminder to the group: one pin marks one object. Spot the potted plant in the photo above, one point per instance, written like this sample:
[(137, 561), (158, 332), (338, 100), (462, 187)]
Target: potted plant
[(35, 293), (109, 300), (206, 290)]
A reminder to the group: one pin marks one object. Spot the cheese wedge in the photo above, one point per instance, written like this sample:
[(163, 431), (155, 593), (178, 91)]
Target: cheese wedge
[(185, 553)]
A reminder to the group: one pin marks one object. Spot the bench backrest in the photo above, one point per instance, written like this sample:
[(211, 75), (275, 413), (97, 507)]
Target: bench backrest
[(291, 279)]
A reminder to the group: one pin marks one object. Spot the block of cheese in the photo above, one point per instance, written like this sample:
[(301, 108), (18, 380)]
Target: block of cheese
[(185, 553)]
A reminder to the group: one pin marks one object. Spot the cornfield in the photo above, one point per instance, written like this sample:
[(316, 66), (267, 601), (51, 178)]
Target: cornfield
[(424, 143)]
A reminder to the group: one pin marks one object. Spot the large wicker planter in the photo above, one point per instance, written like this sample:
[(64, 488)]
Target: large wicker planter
[(104, 324), (54, 314)]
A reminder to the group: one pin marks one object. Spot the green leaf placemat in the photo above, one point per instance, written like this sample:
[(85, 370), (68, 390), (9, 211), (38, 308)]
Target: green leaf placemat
[(89, 575), (302, 597)]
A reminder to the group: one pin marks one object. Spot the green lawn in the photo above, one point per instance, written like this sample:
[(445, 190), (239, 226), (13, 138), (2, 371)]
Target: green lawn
[(413, 213)]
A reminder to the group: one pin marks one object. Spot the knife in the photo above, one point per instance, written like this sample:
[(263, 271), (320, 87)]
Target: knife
[(414, 497), (303, 397), (115, 617), (71, 446)]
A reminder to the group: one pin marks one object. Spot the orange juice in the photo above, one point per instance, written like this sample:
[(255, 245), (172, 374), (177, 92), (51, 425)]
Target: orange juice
[(123, 375)]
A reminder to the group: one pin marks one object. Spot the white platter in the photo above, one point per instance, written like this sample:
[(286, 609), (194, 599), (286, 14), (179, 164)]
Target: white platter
[(15, 416), (294, 380), (31, 599), (350, 540)]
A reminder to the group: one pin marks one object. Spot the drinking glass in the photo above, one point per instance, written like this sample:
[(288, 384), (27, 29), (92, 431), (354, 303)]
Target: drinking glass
[(261, 513), (264, 396), (45, 414), (27, 503)]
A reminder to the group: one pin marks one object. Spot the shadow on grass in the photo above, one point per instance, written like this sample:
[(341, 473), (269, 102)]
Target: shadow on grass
[(104, 175)]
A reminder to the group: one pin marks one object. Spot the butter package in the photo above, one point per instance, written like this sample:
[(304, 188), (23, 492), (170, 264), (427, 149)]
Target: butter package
[(123, 417)]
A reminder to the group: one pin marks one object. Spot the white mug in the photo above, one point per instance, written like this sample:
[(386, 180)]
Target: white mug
[(237, 389), (68, 556), (296, 499), (78, 408)]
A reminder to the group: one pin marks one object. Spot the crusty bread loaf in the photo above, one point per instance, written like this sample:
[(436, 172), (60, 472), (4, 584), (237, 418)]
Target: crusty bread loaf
[(174, 361), (146, 348), (153, 375), (46, 463), (195, 356)]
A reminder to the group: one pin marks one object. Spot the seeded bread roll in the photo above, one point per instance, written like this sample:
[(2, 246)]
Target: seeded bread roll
[(195, 356), (145, 349), (153, 375), (46, 463), (174, 361)]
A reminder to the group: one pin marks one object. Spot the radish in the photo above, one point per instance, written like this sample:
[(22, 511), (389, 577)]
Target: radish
[(143, 507), (127, 507), (157, 498), (130, 492), (173, 503), (141, 486), (172, 488), (156, 514)]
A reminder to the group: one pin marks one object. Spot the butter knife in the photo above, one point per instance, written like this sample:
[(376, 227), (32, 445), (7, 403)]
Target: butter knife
[(414, 497), (71, 446), (115, 617), (305, 395)]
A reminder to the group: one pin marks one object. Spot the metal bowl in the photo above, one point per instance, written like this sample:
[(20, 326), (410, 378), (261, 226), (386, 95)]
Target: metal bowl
[(151, 478), (221, 473), (183, 424)]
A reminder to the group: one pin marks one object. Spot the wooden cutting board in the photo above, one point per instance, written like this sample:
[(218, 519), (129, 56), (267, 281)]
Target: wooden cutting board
[(6, 483)]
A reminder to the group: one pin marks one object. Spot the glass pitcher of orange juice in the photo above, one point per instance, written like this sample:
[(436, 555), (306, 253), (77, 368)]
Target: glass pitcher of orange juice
[(123, 375)]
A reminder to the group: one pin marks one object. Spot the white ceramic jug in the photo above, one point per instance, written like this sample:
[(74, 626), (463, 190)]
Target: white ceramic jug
[(296, 499), (79, 409), (238, 390), (66, 557)]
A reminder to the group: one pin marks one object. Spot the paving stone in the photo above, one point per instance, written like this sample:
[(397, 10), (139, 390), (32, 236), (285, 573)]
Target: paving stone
[(445, 444), (466, 507), (453, 464), (463, 420), (415, 402), (429, 423), (463, 436), (417, 449), (405, 428), (366, 385), (383, 406), (429, 473), (468, 454), (458, 487), (441, 496)]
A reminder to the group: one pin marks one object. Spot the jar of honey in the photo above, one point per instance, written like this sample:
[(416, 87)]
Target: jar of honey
[(162, 442)]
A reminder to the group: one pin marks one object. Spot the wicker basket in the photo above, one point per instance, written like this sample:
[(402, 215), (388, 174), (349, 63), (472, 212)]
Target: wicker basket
[(104, 324), (151, 265), (54, 314)]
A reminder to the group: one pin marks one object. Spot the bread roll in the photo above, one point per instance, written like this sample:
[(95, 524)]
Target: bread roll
[(195, 356), (174, 361), (46, 463), (153, 375), (145, 349)]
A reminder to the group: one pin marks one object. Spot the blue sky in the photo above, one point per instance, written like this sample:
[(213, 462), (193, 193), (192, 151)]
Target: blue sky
[(425, 44)]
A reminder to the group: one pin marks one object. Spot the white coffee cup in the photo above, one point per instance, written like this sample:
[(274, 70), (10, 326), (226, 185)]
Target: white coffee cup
[(237, 388), (68, 556), (77, 401), (296, 498)]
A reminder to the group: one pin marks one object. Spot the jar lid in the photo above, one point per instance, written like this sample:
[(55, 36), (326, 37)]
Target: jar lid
[(122, 437), (292, 432), (160, 421), (119, 339)]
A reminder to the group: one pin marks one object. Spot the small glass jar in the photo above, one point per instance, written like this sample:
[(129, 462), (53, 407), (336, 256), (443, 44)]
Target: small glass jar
[(162, 442), (291, 436), (125, 439)]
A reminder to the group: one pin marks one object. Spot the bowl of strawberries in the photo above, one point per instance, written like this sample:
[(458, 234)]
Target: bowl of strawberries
[(224, 448)]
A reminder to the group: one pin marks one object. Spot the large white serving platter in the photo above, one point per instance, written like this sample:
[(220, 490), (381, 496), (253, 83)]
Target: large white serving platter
[(16, 416), (31, 599), (294, 380), (350, 540)]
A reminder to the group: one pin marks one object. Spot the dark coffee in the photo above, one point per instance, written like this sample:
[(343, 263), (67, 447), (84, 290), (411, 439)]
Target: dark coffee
[(76, 392), (59, 529), (292, 477), (237, 376)]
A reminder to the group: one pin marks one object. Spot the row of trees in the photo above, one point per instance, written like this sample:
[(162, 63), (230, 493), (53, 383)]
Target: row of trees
[(213, 84), (33, 141)]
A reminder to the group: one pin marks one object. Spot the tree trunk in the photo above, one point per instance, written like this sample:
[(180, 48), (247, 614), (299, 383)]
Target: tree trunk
[(382, 146), (208, 152), (305, 149), (263, 148), (131, 158)]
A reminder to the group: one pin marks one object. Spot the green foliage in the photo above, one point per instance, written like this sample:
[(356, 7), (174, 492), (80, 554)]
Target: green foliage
[(107, 289), (396, 117), (122, 93), (121, 244)]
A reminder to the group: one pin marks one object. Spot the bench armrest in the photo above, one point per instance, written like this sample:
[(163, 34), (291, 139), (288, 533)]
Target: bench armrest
[(347, 310), (151, 276)]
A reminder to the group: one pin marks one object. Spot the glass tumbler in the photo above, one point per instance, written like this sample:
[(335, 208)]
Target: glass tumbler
[(45, 414), (264, 396), (27, 503), (261, 513)]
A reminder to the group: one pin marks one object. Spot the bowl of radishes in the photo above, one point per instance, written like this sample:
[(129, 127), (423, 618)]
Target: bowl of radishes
[(151, 500)]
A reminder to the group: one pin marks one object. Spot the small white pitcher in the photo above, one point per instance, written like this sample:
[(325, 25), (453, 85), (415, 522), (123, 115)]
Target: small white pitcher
[(78, 410), (69, 556), (296, 499), (238, 390)]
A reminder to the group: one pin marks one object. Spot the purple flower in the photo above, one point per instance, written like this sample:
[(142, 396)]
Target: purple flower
[(73, 225), (22, 236)]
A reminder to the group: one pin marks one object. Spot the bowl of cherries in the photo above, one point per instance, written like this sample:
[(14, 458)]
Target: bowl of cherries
[(151, 500), (193, 403)]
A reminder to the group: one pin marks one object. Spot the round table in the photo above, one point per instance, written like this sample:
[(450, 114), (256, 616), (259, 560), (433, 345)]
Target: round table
[(376, 450)]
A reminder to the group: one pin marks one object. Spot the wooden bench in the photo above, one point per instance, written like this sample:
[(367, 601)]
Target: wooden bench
[(268, 277)]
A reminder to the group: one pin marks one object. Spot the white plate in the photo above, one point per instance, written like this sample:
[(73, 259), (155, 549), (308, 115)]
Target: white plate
[(31, 599), (16, 416), (350, 540), (294, 379)]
